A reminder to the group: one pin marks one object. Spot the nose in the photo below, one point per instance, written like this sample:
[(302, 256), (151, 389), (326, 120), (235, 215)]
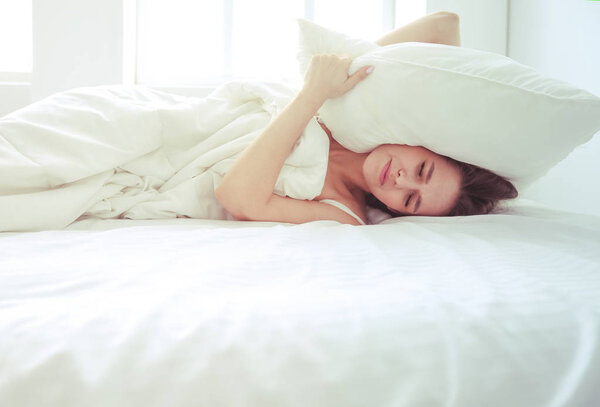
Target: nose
[(405, 180)]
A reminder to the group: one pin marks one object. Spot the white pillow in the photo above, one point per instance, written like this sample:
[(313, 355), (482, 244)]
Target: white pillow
[(474, 106), (315, 39)]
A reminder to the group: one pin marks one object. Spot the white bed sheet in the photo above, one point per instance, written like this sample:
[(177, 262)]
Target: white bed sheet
[(497, 310)]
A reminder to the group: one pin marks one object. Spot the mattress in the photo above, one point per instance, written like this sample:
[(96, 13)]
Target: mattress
[(494, 310)]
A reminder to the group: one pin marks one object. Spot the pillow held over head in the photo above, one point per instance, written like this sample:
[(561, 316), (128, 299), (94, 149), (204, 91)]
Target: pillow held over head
[(474, 106)]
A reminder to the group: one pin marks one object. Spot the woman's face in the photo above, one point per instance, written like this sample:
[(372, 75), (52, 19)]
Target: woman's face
[(412, 180)]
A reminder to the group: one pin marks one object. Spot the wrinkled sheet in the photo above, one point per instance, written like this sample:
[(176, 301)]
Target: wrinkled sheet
[(137, 153), (497, 310)]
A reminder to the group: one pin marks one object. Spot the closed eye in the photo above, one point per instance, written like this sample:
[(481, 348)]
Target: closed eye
[(421, 170), (417, 205)]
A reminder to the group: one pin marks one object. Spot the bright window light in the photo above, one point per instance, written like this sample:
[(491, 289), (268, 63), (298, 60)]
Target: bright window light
[(264, 39), (15, 36), (179, 41), (409, 10), (357, 18), (207, 42)]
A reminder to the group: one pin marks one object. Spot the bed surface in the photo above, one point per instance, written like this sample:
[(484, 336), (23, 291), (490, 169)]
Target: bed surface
[(496, 310)]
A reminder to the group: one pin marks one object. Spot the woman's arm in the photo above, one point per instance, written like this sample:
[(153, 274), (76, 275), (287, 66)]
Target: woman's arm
[(247, 189), (441, 27)]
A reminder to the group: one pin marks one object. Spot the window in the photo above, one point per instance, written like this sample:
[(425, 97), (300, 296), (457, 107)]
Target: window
[(205, 42), (15, 40)]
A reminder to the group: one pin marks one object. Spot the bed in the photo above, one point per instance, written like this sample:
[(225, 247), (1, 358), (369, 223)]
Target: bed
[(494, 310), (100, 306)]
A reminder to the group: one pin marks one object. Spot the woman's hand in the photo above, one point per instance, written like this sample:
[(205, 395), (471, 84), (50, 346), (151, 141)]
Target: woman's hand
[(327, 76)]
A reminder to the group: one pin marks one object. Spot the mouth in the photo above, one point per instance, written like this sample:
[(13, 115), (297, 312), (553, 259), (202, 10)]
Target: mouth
[(384, 172)]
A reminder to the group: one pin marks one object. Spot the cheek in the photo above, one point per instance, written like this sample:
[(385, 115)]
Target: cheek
[(392, 199), (370, 170), (398, 204)]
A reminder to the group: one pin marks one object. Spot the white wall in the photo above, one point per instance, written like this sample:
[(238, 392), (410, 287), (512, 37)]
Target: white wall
[(76, 43), (14, 96), (482, 22), (561, 38)]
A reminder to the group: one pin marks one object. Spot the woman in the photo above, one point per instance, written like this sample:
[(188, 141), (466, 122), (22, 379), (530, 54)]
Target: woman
[(401, 179)]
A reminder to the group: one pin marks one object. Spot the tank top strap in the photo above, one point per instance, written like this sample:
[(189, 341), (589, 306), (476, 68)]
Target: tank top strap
[(343, 207)]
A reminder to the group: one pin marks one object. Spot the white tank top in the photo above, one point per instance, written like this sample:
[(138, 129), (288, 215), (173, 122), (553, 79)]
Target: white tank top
[(344, 208)]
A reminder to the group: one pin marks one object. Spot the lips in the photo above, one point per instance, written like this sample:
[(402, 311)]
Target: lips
[(384, 172)]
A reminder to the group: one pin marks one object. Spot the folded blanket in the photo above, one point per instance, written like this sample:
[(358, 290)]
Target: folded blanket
[(137, 153)]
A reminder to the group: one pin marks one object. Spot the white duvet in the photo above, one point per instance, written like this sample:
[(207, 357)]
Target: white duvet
[(494, 311), (132, 152)]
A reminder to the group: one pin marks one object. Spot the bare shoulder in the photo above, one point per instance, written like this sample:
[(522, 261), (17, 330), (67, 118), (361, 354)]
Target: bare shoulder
[(290, 210)]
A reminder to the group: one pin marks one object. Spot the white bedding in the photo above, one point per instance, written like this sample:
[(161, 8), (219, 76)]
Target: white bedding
[(496, 310), (136, 153)]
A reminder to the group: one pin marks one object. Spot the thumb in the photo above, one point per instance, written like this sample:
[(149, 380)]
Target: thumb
[(357, 76)]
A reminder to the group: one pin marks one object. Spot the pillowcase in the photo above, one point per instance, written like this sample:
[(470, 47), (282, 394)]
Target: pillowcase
[(315, 39), (474, 106)]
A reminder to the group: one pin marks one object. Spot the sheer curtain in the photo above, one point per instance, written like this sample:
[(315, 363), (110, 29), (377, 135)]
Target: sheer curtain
[(191, 42)]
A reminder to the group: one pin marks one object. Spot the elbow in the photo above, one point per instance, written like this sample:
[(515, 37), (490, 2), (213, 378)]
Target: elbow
[(447, 17), (232, 204), (452, 22), (228, 202), (448, 28)]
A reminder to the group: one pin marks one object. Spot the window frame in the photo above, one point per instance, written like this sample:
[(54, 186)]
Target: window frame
[(15, 77), (203, 88)]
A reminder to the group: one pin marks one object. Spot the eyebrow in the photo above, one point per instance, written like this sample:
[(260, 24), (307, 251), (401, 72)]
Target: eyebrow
[(426, 181), (417, 204), (430, 172)]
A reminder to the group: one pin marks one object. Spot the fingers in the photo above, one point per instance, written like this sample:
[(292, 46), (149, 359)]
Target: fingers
[(346, 61), (331, 61), (328, 74), (356, 77)]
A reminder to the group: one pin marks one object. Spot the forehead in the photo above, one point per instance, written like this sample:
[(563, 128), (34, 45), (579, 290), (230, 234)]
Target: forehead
[(439, 196)]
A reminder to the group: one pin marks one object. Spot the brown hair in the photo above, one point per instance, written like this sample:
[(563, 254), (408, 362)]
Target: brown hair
[(480, 191)]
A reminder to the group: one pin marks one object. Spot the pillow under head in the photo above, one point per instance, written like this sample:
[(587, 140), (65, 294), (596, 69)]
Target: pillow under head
[(474, 106)]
